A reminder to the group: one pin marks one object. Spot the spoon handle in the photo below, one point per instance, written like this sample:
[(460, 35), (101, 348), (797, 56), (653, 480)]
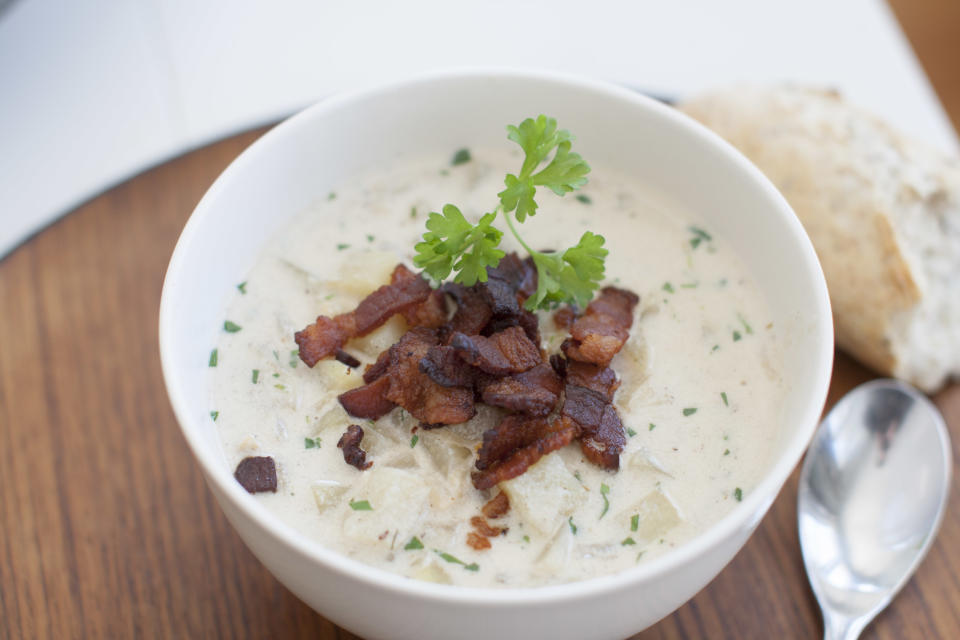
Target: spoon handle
[(837, 626)]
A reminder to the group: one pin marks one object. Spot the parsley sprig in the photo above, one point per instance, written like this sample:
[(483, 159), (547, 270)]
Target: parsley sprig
[(451, 243)]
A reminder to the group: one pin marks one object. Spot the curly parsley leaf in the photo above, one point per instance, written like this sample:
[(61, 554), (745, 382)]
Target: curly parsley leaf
[(573, 275), (451, 242)]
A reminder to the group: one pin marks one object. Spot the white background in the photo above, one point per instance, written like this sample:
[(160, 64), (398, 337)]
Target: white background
[(93, 91)]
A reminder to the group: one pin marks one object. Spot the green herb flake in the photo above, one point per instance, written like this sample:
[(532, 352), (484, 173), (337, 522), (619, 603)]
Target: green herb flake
[(585, 199), (652, 426), (668, 287), (370, 237), (738, 494), (736, 336), (342, 245), (631, 432), (276, 375), (473, 566), (243, 287), (231, 327), (746, 325), (634, 522), (413, 545), (576, 474), (462, 156), (526, 538), (329, 296), (311, 443), (213, 358), (726, 452), (639, 555), (413, 212), (332, 195), (255, 375), (214, 415), (716, 347), (414, 440), (573, 527), (723, 394), (604, 490), (280, 386), (690, 285), (699, 235), (689, 411), (361, 505), (627, 542)]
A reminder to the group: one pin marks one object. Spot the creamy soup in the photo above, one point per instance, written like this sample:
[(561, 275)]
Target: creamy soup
[(700, 387)]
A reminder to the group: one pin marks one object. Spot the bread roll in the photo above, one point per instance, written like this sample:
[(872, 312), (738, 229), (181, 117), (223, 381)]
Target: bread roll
[(883, 213)]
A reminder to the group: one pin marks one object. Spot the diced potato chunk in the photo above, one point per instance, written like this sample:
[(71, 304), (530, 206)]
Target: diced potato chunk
[(338, 377), (375, 272), (431, 571), (545, 495), (381, 339), (643, 460), (332, 422), (657, 516), (327, 493), (397, 499), (555, 554)]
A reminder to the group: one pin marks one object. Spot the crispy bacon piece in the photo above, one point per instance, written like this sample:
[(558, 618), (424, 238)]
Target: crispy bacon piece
[(564, 317), (472, 314), (603, 380), (507, 352), (256, 474), (602, 438), (477, 542), (369, 401), (413, 390), (513, 432), (549, 438), (599, 334), (432, 312), (446, 368), (500, 295), (526, 320), (483, 528), (322, 338), (352, 453), (377, 369), (534, 392), (496, 507), (345, 358), (520, 274)]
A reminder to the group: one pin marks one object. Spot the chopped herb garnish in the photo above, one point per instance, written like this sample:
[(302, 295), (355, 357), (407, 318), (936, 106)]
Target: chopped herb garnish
[(631, 432), (746, 325), (361, 505), (280, 386), (639, 555), (294, 358), (738, 494), (311, 443), (451, 243), (342, 245), (716, 347), (689, 411), (473, 566), (413, 212), (576, 474), (690, 285), (604, 490), (231, 327), (634, 522), (276, 356), (276, 375), (573, 527), (584, 198), (726, 452), (243, 287), (214, 415), (213, 358), (370, 237), (667, 287), (413, 545), (628, 541), (255, 375), (652, 426), (332, 195), (526, 538), (329, 296), (414, 440), (723, 394), (462, 156), (736, 336), (699, 235)]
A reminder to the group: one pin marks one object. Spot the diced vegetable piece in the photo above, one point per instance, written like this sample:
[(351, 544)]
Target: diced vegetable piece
[(546, 495), (657, 516), (397, 497), (327, 493)]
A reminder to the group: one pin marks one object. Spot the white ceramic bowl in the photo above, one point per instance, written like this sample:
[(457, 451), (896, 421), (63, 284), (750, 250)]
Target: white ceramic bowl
[(309, 154)]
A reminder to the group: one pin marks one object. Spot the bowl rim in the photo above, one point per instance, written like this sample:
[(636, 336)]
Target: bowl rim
[(744, 514)]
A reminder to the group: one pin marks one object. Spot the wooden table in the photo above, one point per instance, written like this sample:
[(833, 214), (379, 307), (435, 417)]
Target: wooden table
[(107, 529)]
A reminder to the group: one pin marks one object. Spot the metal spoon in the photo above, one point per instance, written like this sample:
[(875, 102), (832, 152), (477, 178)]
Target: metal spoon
[(872, 494)]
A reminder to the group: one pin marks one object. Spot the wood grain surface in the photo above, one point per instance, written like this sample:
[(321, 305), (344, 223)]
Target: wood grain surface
[(107, 529)]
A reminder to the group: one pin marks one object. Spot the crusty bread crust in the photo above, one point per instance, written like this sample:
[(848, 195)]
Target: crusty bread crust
[(883, 214)]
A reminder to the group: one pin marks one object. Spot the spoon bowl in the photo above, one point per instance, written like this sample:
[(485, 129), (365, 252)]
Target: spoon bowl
[(872, 494)]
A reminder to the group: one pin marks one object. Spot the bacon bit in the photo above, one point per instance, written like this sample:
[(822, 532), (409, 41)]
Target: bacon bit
[(485, 529), (446, 368), (352, 453), (431, 313), (564, 317), (383, 535), (377, 369), (556, 436), (534, 392), (602, 437), (504, 353), (526, 320), (472, 314), (497, 507), (500, 295), (257, 474), (413, 390), (603, 380), (513, 432), (599, 334), (325, 336), (477, 542), (521, 274), (345, 358), (369, 401)]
